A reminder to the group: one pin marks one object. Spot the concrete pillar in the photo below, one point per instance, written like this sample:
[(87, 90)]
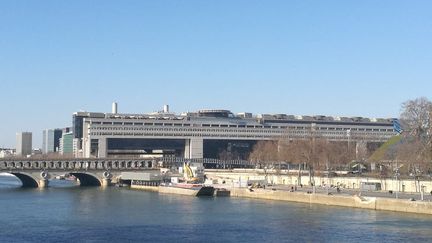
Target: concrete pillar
[(102, 149), (194, 148), (106, 182), (43, 183), (86, 147), (187, 149)]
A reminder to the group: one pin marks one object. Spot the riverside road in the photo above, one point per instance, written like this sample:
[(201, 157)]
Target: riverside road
[(351, 192)]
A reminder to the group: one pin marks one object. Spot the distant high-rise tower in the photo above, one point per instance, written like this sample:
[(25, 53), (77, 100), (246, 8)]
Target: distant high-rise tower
[(23, 143), (51, 140)]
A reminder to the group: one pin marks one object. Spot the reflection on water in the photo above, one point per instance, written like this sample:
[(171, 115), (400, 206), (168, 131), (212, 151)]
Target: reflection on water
[(67, 212)]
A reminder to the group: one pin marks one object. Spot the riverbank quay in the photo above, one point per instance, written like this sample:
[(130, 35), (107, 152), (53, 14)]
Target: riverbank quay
[(372, 203), (291, 177)]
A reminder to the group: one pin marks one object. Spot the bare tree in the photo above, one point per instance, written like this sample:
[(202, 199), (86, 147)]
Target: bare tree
[(228, 155), (417, 115), (413, 150), (264, 153)]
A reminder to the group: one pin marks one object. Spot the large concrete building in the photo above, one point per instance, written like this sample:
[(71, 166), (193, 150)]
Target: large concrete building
[(23, 143), (207, 133)]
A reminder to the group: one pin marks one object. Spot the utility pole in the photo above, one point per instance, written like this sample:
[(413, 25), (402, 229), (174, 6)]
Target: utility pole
[(328, 180), (397, 179)]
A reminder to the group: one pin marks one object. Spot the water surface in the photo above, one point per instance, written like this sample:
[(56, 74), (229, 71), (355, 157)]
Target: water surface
[(64, 212)]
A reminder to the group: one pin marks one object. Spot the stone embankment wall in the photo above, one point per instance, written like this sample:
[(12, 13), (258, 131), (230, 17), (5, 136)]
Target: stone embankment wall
[(337, 200), (146, 188), (387, 184)]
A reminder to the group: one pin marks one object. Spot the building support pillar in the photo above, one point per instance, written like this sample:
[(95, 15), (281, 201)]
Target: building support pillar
[(86, 147), (102, 148), (194, 148)]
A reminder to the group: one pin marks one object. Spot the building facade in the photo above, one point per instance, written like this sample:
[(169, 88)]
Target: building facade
[(51, 140), (23, 143), (67, 144), (206, 133)]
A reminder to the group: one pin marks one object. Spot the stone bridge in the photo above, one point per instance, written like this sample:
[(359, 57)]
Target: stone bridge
[(96, 172)]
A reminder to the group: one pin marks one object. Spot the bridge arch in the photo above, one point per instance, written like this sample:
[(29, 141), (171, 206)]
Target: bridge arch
[(87, 179), (27, 180)]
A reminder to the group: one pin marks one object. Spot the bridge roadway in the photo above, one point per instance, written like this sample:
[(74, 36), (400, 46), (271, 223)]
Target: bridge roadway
[(90, 172)]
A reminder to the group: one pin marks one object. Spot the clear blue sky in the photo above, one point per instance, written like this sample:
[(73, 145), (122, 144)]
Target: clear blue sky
[(341, 58)]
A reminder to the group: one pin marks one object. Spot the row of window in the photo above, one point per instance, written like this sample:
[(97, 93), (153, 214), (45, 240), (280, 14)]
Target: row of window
[(237, 126), (334, 135), (235, 130)]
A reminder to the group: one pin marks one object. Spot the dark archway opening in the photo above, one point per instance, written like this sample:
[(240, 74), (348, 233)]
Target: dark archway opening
[(86, 179), (27, 181)]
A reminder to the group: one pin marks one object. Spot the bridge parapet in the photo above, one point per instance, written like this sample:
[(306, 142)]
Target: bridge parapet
[(81, 164)]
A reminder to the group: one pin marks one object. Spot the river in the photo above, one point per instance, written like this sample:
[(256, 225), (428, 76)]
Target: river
[(68, 213)]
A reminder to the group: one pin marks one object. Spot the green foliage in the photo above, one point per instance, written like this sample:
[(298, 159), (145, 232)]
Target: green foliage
[(382, 151)]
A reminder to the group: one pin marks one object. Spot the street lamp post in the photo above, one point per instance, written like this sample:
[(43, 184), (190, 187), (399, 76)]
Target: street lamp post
[(397, 179), (422, 192), (349, 139), (328, 180)]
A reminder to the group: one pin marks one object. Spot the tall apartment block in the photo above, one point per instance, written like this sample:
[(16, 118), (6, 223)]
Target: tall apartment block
[(23, 143), (51, 140)]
